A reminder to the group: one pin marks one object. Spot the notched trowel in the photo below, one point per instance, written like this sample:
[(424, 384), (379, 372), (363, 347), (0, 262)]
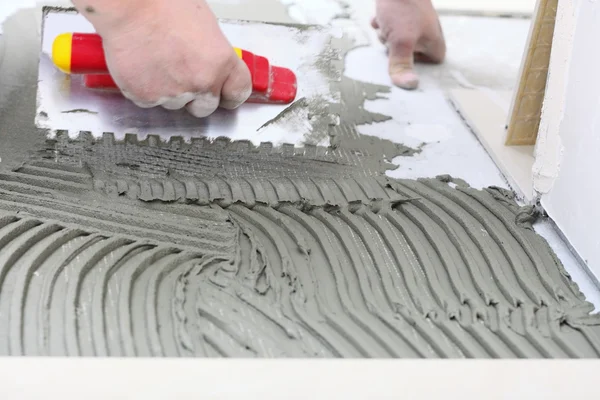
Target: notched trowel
[(76, 93), (82, 54)]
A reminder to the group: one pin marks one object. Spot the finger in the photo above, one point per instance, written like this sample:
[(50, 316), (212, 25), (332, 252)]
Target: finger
[(143, 104), (432, 48), (177, 102), (425, 58), (401, 64), (137, 101), (380, 33), (436, 50), (237, 88), (422, 58), (374, 23), (203, 105)]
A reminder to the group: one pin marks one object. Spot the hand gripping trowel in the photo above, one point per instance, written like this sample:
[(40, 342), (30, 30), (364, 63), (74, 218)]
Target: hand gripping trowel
[(76, 92), (82, 53)]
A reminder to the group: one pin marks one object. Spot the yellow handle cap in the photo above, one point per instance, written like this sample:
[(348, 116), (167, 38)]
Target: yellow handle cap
[(61, 52)]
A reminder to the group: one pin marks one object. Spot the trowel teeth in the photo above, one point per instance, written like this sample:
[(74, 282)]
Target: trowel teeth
[(310, 150), (287, 149), (153, 140), (199, 143), (222, 142), (176, 142), (266, 147), (131, 138), (61, 134), (243, 146), (108, 138), (85, 136)]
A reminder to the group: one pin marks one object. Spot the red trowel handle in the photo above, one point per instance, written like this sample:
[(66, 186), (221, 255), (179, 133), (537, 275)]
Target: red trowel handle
[(82, 53)]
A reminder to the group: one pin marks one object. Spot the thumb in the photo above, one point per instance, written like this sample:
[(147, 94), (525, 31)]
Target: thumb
[(402, 63)]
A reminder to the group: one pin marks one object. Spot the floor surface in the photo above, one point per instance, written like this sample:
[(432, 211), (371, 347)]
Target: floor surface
[(483, 52)]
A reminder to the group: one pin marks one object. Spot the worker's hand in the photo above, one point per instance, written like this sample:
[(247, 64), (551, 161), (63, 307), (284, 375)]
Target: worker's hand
[(412, 32), (171, 53)]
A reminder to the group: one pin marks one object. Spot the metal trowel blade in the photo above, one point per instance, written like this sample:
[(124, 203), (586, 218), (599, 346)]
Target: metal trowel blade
[(65, 104)]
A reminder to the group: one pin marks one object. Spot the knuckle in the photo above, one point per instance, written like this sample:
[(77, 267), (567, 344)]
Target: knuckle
[(203, 105), (402, 40), (214, 75), (139, 93)]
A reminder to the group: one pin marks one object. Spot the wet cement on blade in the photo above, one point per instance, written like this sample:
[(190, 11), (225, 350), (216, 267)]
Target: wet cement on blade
[(226, 249), (18, 85)]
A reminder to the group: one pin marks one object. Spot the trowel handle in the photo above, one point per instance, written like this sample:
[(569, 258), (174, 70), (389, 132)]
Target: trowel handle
[(82, 53)]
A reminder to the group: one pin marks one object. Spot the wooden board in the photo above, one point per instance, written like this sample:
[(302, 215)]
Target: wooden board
[(525, 113)]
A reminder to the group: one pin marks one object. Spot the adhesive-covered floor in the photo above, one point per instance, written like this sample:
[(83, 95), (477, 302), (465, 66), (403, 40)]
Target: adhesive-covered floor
[(104, 254), (146, 248)]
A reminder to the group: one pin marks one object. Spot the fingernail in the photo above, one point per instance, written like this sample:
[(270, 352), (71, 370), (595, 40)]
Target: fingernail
[(231, 104), (236, 99), (406, 80), (203, 105)]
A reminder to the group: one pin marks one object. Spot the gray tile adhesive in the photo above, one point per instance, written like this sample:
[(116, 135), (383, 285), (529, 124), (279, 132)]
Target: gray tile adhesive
[(210, 249)]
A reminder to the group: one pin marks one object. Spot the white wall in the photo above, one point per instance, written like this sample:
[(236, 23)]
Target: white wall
[(568, 151), (519, 7)]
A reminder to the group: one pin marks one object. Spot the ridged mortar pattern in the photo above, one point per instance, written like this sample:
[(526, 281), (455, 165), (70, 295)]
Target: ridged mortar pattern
[(277, 267)]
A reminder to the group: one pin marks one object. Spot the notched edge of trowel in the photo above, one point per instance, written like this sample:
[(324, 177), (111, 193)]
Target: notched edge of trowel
[(219, 144)]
